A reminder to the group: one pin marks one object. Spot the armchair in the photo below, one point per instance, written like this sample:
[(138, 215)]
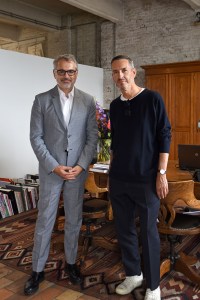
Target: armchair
[(175, 224), (197, 189)]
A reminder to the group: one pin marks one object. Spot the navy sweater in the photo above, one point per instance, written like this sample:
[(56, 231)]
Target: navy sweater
[(140, 130)]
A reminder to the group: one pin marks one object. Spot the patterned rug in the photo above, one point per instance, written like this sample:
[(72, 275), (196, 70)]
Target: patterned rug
[(102, 269)]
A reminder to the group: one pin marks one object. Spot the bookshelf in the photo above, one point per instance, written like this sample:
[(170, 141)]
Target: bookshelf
[(18, 195)]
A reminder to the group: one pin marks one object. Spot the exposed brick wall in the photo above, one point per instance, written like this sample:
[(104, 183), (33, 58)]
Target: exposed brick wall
[(153, 32), (84, 37), (58, 42)]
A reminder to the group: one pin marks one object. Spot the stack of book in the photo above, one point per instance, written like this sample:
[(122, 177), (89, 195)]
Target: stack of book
[(100, 168), (17, 195)]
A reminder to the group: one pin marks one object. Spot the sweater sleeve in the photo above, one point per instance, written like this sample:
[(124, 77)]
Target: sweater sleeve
[(163, 126)]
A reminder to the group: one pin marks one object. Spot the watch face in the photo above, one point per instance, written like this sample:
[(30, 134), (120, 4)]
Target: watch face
[(162, 171)]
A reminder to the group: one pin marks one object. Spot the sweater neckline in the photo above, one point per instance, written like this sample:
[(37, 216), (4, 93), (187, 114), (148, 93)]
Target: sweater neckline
[(125, 99)]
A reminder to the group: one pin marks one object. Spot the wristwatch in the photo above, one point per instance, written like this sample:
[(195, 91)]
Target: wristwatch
[(162, 171)]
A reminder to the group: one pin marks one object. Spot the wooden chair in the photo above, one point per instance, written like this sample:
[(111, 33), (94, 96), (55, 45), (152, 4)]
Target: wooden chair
[(175, 225), (197, 189)]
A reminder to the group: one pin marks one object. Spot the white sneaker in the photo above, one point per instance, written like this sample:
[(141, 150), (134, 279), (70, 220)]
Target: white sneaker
[(129, 284), (153, 295)]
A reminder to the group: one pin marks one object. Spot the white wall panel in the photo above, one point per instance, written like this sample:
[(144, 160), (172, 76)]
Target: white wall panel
[(23, 76)]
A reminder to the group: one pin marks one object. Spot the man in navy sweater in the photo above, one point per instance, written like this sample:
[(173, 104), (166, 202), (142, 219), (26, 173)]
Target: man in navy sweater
[(141, 135)]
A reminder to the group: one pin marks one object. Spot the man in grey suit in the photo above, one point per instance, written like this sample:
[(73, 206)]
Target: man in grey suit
[(63, 135)]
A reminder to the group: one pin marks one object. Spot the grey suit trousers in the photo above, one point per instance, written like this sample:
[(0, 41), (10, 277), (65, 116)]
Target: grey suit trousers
[(48, 204)]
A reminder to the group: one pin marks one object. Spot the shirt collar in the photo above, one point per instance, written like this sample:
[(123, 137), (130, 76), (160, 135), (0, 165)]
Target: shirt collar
[(62, 94), (123, 98)]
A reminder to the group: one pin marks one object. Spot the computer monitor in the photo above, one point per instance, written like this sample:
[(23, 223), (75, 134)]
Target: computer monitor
[(189, 156)]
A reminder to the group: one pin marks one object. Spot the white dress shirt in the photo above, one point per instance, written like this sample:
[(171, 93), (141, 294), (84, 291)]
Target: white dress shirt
[(66, 104)]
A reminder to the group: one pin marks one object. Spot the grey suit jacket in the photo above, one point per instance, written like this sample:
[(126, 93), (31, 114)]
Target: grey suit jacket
[(49, 137)]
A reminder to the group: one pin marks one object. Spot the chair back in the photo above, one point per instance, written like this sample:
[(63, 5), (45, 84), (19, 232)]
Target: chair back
[(92, 187), (197, 190), (181, 194)]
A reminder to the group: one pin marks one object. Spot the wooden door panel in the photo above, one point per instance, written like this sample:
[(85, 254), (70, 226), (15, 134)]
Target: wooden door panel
[(181, 111), (196, 113), (159, 83), (181, 101), (179, 84)]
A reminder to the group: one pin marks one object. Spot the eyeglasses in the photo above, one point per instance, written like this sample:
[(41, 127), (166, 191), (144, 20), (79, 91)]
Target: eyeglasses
[(62, 72)]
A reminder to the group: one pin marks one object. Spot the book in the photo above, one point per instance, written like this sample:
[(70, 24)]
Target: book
[(26, 181), (28, 204), (19, 201), (36, 189), (11, 201), (18, 180), (19, 189), (32, 195), (33, 177), (8, 180), (8, 205), (3, 183), (3, 207)]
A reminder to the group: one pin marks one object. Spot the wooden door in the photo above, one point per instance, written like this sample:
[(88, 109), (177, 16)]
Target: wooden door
[(159, 83), (178, 84), (196, 112), (181, 111)]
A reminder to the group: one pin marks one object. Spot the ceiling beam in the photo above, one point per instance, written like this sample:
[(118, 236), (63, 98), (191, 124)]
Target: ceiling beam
[(20, 12), (195, 4), (111, 10), (9, 32)]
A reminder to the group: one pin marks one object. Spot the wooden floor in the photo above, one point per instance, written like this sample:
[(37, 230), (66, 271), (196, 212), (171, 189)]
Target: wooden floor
[(12, 285)]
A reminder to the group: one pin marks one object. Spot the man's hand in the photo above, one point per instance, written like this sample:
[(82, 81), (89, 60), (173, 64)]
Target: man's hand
[(67, 173), (161, 186), (76, 170)]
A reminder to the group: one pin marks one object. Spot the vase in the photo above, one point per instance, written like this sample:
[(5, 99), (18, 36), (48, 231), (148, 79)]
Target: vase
[(103, 154)]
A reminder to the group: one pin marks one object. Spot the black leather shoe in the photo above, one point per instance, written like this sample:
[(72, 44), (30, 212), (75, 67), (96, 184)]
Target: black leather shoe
[(74, 273), (32, 284)]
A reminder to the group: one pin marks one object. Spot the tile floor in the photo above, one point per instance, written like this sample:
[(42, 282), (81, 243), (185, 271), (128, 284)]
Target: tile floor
[(12, 283)]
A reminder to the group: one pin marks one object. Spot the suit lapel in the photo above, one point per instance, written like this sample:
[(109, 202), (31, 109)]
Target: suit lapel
[(76, 105), (57, 106)]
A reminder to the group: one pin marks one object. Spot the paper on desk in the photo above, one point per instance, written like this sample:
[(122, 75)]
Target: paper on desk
[(101, 166), (99, 170)]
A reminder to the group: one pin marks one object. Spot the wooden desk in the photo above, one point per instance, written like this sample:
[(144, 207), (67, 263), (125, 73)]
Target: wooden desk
[(173, 174)]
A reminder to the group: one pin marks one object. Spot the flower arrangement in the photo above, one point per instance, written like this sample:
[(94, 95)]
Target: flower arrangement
[(104, 133), (103, 122)]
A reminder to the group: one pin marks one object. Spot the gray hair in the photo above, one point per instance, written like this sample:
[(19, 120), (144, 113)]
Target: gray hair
[(66, 57), (118, 57)]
